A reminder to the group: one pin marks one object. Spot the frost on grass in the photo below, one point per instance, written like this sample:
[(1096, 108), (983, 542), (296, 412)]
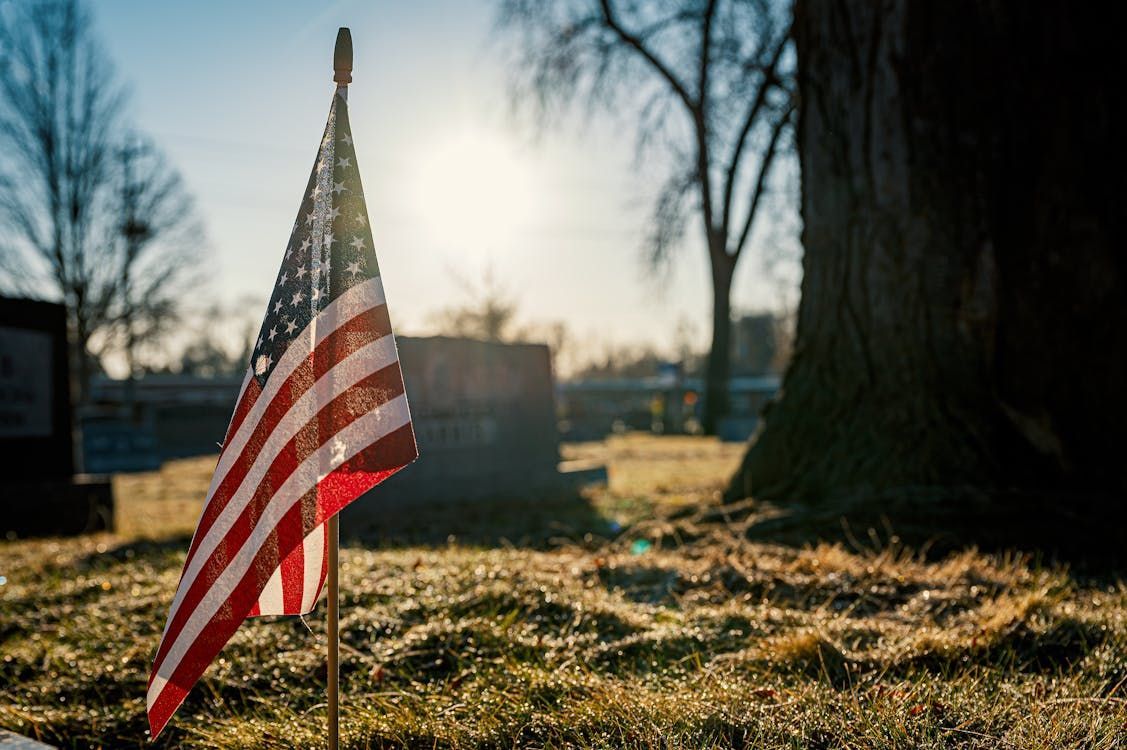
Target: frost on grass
[(554, 628)]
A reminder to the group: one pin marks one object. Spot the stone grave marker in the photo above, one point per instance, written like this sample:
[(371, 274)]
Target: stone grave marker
[(485, 421), (39, 490)]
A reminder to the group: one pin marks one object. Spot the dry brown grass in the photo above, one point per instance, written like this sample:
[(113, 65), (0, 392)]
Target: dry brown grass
[(584, 637), (162, 503)]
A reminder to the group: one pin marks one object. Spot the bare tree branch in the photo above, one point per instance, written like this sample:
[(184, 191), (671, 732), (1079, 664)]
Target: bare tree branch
[(720, 62), (638, 45), (704, 164), (749, 121), (670, 215), (761, 181)]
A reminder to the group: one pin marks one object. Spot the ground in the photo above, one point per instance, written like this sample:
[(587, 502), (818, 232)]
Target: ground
[(635, 617)]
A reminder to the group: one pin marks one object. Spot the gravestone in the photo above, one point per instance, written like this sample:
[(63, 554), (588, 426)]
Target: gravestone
[(485, 421), (40, 493), (136, 425)]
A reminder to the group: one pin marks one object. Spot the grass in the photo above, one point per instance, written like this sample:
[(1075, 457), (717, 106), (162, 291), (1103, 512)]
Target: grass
[(629, 620)]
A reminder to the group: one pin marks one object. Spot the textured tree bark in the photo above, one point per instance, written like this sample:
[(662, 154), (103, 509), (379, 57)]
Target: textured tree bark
[(963, 303)]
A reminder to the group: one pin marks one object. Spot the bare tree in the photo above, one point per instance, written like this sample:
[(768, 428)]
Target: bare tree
[(160, 241), (222, 340), (621, 361), (89, 217), (711, 83), (488, 313)]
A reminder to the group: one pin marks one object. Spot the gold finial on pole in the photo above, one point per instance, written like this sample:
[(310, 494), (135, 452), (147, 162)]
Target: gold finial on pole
[(342, 57)]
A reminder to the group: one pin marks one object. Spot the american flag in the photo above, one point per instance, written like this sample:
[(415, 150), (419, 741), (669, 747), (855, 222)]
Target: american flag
[(322, 418)]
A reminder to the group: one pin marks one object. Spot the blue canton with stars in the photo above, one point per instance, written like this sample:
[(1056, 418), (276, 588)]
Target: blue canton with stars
[(330, 249)]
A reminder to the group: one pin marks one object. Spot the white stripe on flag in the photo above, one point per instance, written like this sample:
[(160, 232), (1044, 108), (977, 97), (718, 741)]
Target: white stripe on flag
[(314, 548), (270, 600), (354, 438)]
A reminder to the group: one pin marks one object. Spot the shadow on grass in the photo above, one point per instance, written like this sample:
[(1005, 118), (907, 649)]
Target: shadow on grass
[(491, 522), (552, 519), (138, 549), (662, 585), (1058, 648), (1083, 531)]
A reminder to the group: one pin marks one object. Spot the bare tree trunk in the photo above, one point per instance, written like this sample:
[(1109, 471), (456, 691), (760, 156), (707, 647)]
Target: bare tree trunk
[(718, 366), (80, 353), (964, 290)]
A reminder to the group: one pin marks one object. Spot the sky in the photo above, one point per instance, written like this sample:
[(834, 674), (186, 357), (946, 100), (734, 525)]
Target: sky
[(458, 186)]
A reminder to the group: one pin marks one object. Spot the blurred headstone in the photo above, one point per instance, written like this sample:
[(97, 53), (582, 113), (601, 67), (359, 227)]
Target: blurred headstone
[(35, 423), (485, 421), (40, 491), (136, 425), (117, 445)]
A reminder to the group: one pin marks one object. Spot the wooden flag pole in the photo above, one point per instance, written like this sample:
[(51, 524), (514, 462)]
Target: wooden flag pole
[(342, 74), (334, 634)]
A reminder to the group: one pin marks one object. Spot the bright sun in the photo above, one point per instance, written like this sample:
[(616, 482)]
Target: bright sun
[(474, 192)]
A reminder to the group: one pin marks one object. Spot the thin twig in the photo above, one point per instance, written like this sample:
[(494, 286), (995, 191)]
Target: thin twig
[(1088, 699), (983, 735)]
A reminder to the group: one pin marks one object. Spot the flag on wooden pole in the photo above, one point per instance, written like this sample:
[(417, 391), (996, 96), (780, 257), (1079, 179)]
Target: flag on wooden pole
[(322, 418)]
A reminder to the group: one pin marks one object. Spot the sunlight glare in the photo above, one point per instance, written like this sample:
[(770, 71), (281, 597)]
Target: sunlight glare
[(474, 191)]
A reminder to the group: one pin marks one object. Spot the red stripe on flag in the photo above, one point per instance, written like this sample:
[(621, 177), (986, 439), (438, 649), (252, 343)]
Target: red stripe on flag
[(290, 536), (216, 634), (249, 395), (365, 470)]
